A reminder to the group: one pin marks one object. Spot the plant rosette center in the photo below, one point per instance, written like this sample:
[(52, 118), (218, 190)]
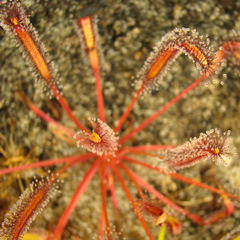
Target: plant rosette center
[(102, 140)]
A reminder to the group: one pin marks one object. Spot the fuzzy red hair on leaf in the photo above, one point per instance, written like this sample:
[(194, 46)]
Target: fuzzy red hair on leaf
[(151, 211), (89, 39), (15, 22), (101, 141), (24, 212), (210, 145), (174, 43)]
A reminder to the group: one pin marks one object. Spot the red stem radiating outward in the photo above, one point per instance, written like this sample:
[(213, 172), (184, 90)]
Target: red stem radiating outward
[(143, 148), (66, 107), (129, 196), (181, 178), (114, 199), (162, 110), (23, 98), (46, 163), (102, 173), (100, 102), (71, 206), (101, 224), (128, 110), (68, 165), (228, 210), (110, 187), (87, 31), (128, 173), (219, 57), (161, 197)]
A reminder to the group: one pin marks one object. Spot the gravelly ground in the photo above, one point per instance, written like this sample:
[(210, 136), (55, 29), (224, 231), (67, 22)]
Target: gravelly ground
[(128, 30)]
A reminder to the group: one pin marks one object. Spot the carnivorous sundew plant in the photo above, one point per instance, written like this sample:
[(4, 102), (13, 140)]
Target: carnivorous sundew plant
[(138, 156)]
